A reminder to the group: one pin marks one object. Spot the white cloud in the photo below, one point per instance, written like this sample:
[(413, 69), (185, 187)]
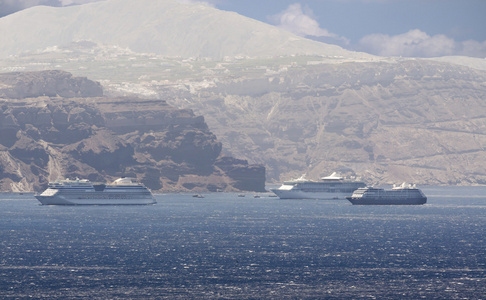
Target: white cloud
[(74, 2), (303, 23), (211, 3), (416, 43), (473, 48)]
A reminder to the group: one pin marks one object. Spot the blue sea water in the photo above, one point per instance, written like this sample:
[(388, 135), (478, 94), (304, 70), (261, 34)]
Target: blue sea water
[(230, 247)]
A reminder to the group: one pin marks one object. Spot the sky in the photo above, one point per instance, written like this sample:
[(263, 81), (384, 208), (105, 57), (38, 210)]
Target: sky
[(409, 28)]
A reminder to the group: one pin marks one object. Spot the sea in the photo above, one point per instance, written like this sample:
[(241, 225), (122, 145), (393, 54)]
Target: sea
[(225, 246)]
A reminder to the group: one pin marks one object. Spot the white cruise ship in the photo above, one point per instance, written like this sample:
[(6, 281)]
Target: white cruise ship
[(123, 191), (329, 188)]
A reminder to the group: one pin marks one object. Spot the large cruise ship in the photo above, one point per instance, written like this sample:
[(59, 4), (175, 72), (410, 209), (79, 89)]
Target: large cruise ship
[(398, 195), (123, 191), (329, 188)]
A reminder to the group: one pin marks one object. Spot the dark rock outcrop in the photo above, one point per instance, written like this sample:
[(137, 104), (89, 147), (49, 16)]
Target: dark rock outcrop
[(43, 138), (242, 173), (53, 83)]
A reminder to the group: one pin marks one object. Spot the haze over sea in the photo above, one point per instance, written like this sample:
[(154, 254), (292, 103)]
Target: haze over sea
[(225, 246)]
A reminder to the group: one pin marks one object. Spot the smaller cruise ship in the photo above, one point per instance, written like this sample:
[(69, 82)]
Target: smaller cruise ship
[(405, 194), (332, 187), (123, 191)]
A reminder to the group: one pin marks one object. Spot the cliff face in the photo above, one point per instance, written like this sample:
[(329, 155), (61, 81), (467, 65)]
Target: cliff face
[(389, 120), (405, 120), (82, 134)]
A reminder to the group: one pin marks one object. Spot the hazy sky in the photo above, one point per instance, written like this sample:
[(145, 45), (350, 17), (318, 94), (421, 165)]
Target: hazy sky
[(382, 27)]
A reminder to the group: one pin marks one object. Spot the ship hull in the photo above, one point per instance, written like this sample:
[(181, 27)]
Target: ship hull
[(386, 201), (289, 194)]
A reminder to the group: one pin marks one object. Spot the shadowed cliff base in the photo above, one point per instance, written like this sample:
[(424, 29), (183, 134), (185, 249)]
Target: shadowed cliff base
[(54, 125)]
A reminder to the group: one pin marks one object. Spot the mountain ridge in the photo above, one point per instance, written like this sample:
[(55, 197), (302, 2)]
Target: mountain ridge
[(388, 119), (163, 27)]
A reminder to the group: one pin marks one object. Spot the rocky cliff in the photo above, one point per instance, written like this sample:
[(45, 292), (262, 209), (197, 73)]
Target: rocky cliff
[(55, 125), (388, 121), (21, 85)]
